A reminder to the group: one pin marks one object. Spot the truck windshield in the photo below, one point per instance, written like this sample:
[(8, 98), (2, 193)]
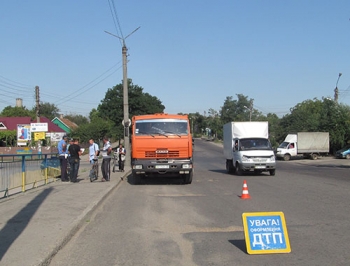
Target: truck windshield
[(255, 144), (161, 127), (283, 145)]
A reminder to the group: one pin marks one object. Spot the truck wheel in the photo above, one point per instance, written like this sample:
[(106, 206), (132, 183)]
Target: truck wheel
[(137, 179), (272, 172), (239, 170), (188, 178), (286, 157), (229, 167), (314, 156)]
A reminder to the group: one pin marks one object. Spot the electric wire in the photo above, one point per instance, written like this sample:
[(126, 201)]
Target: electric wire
[(115, 20), (81, 91)]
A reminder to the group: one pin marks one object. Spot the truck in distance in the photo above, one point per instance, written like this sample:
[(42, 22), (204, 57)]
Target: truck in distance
[(161, 146), (304, 144), (247, 148)]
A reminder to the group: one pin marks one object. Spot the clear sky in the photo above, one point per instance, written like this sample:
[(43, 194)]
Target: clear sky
[(191, 54)]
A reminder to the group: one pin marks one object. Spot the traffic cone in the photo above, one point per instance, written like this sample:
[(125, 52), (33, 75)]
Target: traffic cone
[(245, 192)]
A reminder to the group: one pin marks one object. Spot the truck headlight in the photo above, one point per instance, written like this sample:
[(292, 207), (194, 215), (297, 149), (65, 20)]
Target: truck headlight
[(186, 166), (137, 166)]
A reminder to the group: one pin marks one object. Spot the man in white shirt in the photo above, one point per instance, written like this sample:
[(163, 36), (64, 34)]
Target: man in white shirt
[(94, 151), (106, 160)]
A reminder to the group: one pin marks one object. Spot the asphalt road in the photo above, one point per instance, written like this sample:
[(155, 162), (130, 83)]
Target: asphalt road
[(163, 222)]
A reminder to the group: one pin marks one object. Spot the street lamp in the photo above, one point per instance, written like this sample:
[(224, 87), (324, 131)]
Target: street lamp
[(336, 91), (250, 111)]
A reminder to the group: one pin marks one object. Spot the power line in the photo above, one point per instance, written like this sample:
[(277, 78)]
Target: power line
[(22, 85), (115, 19), (63, 99)]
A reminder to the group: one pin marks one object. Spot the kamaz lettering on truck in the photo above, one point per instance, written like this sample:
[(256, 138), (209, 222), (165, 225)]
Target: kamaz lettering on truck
[(162, 146), (247, 148)]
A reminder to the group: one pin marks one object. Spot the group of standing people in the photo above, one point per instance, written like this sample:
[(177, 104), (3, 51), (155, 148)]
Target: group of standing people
[(70, 154)]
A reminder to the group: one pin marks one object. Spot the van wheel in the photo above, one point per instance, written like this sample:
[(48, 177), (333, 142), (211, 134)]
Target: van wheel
[(239, 170), (286, 157), (347, 156), (272, 172)]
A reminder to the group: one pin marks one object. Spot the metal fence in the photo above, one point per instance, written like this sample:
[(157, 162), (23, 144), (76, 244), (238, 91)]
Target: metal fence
[(20, 172)]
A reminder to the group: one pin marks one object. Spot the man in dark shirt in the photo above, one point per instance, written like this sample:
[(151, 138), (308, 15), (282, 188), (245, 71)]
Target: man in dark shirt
[(74, 159)]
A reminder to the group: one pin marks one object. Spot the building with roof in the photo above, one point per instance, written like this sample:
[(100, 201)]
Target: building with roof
[(64, 124), (54, 133)]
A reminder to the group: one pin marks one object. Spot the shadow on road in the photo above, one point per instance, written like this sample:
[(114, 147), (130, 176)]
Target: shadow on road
[(239, 243), (16, 225)]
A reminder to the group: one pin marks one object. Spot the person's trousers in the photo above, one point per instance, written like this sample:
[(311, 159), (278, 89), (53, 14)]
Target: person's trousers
[(74, 164), (121, 165), (106, 168), (63, 163)]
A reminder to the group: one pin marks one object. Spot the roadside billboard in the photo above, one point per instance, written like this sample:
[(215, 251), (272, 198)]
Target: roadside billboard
[(23, 134)]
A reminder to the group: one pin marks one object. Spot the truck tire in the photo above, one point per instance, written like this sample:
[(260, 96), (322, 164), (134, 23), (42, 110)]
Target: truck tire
[(286, 157), (229, 167), (136, 178), (239, 170), (188, 178), (272, 172), (314, 156)]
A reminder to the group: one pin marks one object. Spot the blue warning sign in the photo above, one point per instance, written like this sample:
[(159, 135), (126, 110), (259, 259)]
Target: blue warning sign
[(265, 232)]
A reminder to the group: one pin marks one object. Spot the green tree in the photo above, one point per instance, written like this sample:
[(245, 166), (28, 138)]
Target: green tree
[(239, 110), (8, 137), (16, 111), (96, 129), (77, 119), (140, 103), (198, 123), (48, 110), (335, 119), (318, 116)]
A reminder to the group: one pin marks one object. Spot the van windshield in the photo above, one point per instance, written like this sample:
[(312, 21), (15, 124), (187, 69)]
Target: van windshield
[(161, 127), (255, 144)]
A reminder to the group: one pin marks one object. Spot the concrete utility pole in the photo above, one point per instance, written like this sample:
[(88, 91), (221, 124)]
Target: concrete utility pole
[(336, 91), (37, 99), (126, 120), (250, 108)]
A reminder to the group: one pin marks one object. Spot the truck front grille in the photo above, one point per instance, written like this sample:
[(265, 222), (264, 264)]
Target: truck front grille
[(259, 160), (169, 154)]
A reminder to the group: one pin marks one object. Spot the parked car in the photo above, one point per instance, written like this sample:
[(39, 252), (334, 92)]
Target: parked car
[(343, 153)]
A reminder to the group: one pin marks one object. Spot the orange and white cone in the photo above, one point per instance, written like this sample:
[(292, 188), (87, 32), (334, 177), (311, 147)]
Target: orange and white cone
[(245, 192)]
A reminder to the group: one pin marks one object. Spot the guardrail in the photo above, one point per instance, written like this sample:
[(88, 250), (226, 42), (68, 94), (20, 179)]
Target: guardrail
[(21, 172)]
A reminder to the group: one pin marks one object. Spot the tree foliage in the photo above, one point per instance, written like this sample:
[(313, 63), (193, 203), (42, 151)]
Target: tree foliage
[(97, 129), (8, 137), (16, 111), (112, 107), (48, 110), (77, 119)]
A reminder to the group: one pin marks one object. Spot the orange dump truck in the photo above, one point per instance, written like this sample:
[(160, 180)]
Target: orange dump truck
[(161, 145)]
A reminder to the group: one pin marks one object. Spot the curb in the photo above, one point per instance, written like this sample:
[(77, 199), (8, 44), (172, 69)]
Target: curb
[(79, 221)]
